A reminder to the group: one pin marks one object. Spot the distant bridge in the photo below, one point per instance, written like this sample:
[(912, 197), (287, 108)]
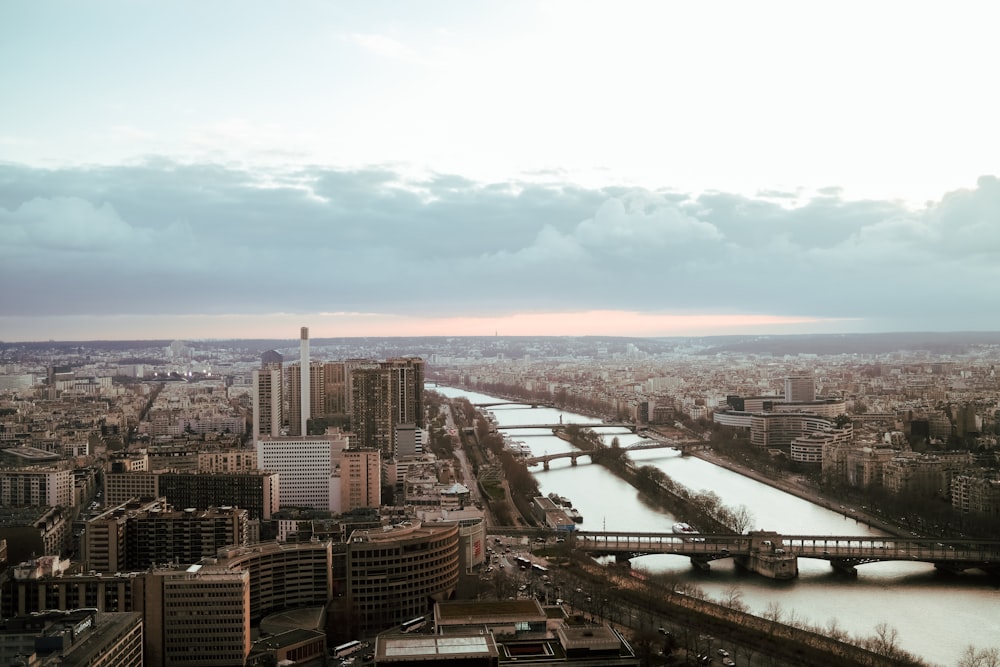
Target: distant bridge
[(574, 455), (682, 447), (533, 404), (630, 427)]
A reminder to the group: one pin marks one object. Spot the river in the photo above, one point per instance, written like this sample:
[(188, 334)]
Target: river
[(936, 615)]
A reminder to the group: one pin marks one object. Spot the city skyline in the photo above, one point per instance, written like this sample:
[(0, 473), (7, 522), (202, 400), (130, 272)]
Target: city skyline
[(530, 168)]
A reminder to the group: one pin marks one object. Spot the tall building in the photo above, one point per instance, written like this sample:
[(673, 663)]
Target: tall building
[(315, 396), (360, 479), (335, 390), (268, 402), (800, 389), (407, 384), (383, 395), (371, 415), (305, 465), (305, 405)]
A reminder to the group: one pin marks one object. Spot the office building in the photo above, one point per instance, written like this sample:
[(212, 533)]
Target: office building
[(305, 405), (42, 486), (316, 396), (255, 491), (197, 616), (282, 576), (392, 575), (410, 440), (136, 536), (120, 487), (360, 479), (305, 466), (800, 388), (268, 400), (383, 395)]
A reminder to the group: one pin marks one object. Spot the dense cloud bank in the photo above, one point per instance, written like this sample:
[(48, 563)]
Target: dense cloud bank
[(162, 237)]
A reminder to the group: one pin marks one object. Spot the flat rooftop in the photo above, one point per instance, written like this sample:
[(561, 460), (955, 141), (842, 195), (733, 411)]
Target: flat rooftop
[(456, 612), (401, 649)]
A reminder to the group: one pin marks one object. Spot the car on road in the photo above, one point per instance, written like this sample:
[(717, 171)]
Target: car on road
[(728, 662), (724, 653)]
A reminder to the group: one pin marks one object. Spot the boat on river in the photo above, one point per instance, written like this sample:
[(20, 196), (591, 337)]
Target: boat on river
[(564, 503)]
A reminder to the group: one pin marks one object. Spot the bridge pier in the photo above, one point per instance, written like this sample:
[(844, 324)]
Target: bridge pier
[(572, 460), (845, 566), (700, 563), (784, 566), (545, 464)]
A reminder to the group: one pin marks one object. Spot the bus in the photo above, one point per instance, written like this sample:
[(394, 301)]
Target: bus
[(538, 569), (413, 624), (523, 562), (347, 649)]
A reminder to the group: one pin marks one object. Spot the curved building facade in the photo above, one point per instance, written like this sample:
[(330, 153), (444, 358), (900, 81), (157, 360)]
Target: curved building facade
[(809, 448), (282, 576), (396, 574)]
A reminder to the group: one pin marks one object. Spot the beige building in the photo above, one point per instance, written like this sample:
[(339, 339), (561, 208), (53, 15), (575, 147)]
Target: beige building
[(234, 460), (120, 487), (360, 479), (198, 616), (268, 398), (36, 486)]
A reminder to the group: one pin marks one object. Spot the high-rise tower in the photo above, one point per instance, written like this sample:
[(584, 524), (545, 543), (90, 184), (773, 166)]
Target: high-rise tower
[(383, 395), (268, 406), (304, 380)]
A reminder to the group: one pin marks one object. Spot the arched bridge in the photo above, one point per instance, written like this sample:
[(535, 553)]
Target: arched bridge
[(533, 404), (642, 444), (550, 427), (775, 555)]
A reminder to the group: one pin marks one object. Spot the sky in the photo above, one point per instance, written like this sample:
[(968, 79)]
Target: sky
[(222, 169)]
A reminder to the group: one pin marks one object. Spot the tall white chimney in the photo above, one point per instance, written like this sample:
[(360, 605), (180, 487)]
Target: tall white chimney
[(304, 377)]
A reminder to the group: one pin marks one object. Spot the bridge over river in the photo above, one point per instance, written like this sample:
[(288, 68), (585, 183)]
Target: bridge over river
[(776, 556), (544, 459), (560, 425)]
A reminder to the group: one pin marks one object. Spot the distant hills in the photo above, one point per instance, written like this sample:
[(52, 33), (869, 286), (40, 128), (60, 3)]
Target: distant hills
[(516, 347)]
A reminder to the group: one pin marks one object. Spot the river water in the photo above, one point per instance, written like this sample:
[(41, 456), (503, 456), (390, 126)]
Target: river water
[(936, 615)]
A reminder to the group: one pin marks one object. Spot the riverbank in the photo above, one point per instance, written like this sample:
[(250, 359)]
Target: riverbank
[(800, 489)]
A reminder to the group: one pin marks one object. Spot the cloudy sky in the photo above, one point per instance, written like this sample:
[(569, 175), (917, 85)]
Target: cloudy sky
[(216, 169)]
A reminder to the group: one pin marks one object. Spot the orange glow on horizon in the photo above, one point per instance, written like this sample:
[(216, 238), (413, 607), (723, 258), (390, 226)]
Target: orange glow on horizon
[(352, 325)]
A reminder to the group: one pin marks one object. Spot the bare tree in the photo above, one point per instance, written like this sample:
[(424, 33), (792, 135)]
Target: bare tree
[(834, 631), (885, 641), (742, 519), (773, 612), (974, 658), (732, 598)]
